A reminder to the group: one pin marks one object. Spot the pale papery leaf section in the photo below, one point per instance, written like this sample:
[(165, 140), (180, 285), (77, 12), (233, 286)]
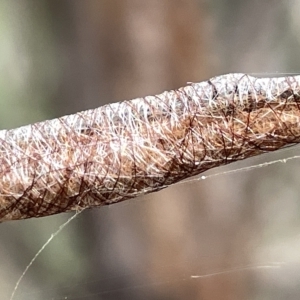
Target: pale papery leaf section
[(126, 149)]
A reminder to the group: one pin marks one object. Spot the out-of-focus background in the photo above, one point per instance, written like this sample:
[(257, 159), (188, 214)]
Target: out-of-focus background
[(239, 232)]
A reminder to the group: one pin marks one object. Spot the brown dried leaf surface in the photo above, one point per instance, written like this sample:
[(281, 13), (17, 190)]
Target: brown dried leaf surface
[(126, 149)]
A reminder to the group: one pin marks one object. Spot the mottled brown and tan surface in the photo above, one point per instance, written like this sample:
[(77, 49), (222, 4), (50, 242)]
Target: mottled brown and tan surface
[(126, 149)]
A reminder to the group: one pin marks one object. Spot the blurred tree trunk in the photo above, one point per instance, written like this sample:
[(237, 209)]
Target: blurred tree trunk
[(132, 48)]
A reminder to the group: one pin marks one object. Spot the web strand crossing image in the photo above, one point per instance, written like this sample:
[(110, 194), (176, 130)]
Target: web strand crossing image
[(122, 150)]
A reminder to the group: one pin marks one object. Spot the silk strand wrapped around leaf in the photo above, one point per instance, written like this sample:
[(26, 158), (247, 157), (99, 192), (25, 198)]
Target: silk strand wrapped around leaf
[(126, 149)]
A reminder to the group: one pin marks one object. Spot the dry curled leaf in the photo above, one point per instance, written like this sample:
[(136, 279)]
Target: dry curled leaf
[(122, 150)]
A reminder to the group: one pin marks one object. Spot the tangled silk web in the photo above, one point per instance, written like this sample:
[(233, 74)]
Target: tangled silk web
[(270, 265), (126, 149)]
